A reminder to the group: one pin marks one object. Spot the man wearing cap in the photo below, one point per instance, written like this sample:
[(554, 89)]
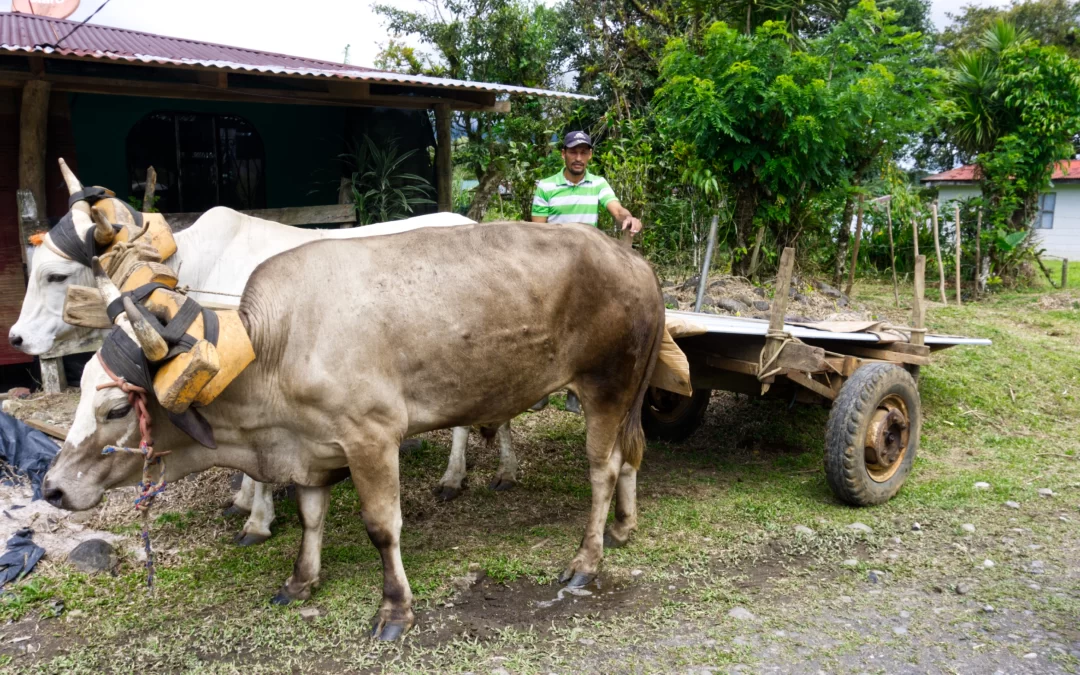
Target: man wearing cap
[(575, 196)]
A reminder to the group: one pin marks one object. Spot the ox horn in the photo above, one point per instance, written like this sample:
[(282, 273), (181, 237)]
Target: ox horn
[(103, 229), (73, 186), (153, 345), (108, 289)]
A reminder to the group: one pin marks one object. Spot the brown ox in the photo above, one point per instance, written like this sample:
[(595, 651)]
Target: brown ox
[(444, 327)]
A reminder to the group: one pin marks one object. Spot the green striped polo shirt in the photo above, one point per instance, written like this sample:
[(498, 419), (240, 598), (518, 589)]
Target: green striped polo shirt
[(565, 202)]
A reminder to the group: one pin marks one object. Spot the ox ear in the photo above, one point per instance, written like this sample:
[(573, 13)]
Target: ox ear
[(73, 186), (153, 345), (104, 234), (109, 291)]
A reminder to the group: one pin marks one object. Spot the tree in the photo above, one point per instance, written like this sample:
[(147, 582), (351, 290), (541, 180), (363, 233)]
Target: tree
[(1051, 22), (507, 41), (778, 125), (1015, 105)]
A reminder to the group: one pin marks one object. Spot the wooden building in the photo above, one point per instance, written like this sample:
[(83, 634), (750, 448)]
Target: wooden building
[(221, 125)]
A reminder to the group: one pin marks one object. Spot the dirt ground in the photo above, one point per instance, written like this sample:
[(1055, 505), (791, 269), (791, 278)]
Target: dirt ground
[(743, 560)]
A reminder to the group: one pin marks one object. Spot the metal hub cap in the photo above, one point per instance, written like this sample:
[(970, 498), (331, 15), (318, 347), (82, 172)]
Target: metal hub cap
[(886, 438)]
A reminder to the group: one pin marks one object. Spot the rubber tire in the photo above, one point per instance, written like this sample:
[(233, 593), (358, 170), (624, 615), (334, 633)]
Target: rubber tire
[(845, 461), (679, 428)]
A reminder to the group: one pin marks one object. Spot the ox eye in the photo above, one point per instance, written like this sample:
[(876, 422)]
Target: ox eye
[(56, 278), (117, 413)]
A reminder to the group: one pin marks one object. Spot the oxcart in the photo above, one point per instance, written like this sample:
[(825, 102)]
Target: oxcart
[(868, 373)]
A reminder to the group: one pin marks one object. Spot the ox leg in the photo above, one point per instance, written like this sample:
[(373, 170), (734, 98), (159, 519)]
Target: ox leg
[(605, 461), (375, 475), (312, 502), (452, 482), (618, 533), (257, 528), (506, 476), (241, 502)]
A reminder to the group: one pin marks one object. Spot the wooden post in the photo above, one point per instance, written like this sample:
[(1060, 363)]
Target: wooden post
[(1065, 273), (33, 127), (892, 255), (918, 310), (978, 252), (443, 159), (148, 191), (774, 341), (703, 282), (958, 254), (937, 252), (855, 249), (28, 220)]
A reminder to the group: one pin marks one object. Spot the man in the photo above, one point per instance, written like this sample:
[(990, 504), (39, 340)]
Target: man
[(575, 196)]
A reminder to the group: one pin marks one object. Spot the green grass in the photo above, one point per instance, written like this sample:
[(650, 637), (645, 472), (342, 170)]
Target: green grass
[(716, 529)]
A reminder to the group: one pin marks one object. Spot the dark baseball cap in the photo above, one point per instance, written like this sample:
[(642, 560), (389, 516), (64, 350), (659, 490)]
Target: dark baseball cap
[(576, 138)]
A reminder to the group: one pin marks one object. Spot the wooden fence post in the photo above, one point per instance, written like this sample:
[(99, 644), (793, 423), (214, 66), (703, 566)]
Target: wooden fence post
[(937, 252), (918, 311), (855, 249), (33, 129), (892, 255), (959, 255), (774, 341), (443, 157)]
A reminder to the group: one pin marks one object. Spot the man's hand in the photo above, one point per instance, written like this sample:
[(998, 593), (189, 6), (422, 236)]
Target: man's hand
[(631, 223)]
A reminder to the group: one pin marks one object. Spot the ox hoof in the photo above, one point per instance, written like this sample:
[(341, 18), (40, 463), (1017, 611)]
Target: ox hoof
[(245, 539), (500, 483), (446, 493), (234, 510), (576, 579), (613, 541), (388, 631)]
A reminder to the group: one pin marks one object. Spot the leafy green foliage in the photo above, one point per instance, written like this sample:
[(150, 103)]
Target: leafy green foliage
[(381, 190), (1051, 22)]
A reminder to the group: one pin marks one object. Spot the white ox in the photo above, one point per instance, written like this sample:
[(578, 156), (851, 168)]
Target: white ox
[(218, 253)]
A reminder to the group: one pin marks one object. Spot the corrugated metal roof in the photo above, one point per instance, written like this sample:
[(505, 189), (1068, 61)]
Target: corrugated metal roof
[(28, 33), (1068, 169)]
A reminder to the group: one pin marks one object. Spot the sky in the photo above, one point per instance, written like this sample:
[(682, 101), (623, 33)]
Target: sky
[(317, 29)]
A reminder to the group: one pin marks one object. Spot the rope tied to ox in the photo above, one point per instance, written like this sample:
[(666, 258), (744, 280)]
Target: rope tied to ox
[(149, 489)]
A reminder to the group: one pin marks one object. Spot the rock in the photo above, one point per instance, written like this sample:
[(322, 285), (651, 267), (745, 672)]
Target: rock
[(915, 527), (989, 609), (761, 305), (1012, 505), (730, 305), (850, 562), (691, 283), (987, 564), (842, 301), (75, 615), (967, 527), (1046, 492), (93, 555), (963, 588), (671, 299), (860, 527), (875, 576), (309, 612), (1037, 567), (982, 486), (799, 297), (410, 445), (804, 530), (826, 289), (741, 614), (636, 573), (905, 614), (18, 392), (759, 291), (1031, 656), (899, 630)]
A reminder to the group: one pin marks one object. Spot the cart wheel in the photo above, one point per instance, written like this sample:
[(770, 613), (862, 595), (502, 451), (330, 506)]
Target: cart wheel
[(873, 434), (667, 416)]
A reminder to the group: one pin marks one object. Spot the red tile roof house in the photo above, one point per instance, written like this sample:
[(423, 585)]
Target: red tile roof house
[(1059, 222), (221, 125)]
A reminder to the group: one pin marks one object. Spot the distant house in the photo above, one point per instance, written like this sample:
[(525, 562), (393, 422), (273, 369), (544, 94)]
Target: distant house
[(1059, 219)]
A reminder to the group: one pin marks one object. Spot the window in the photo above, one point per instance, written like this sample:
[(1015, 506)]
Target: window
[(1046, 211), (202, 160)]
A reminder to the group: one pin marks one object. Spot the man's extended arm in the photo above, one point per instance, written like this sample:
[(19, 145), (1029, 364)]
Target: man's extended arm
[(623, 217)]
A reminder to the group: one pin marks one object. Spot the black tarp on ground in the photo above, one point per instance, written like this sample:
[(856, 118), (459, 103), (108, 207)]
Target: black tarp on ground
[(26, 450), (20, 556)]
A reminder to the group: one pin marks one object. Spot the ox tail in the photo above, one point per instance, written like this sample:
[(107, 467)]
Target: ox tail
[(631, 438)]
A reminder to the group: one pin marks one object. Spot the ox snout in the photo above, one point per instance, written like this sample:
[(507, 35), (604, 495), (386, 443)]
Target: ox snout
[(15, 339), (53, 494)]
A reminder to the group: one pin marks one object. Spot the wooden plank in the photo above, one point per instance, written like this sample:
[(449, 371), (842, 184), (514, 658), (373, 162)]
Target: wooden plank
[(53, 379), (886, 355), (350, 89), (796, 356), (734, 365), (89, 343), (33, 124), (443, 159), (59, 433), (331, 214), (779, 307), (892, 256), (811, 384), (918, 309), (908, 348), (937, 253), (84, 307)]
